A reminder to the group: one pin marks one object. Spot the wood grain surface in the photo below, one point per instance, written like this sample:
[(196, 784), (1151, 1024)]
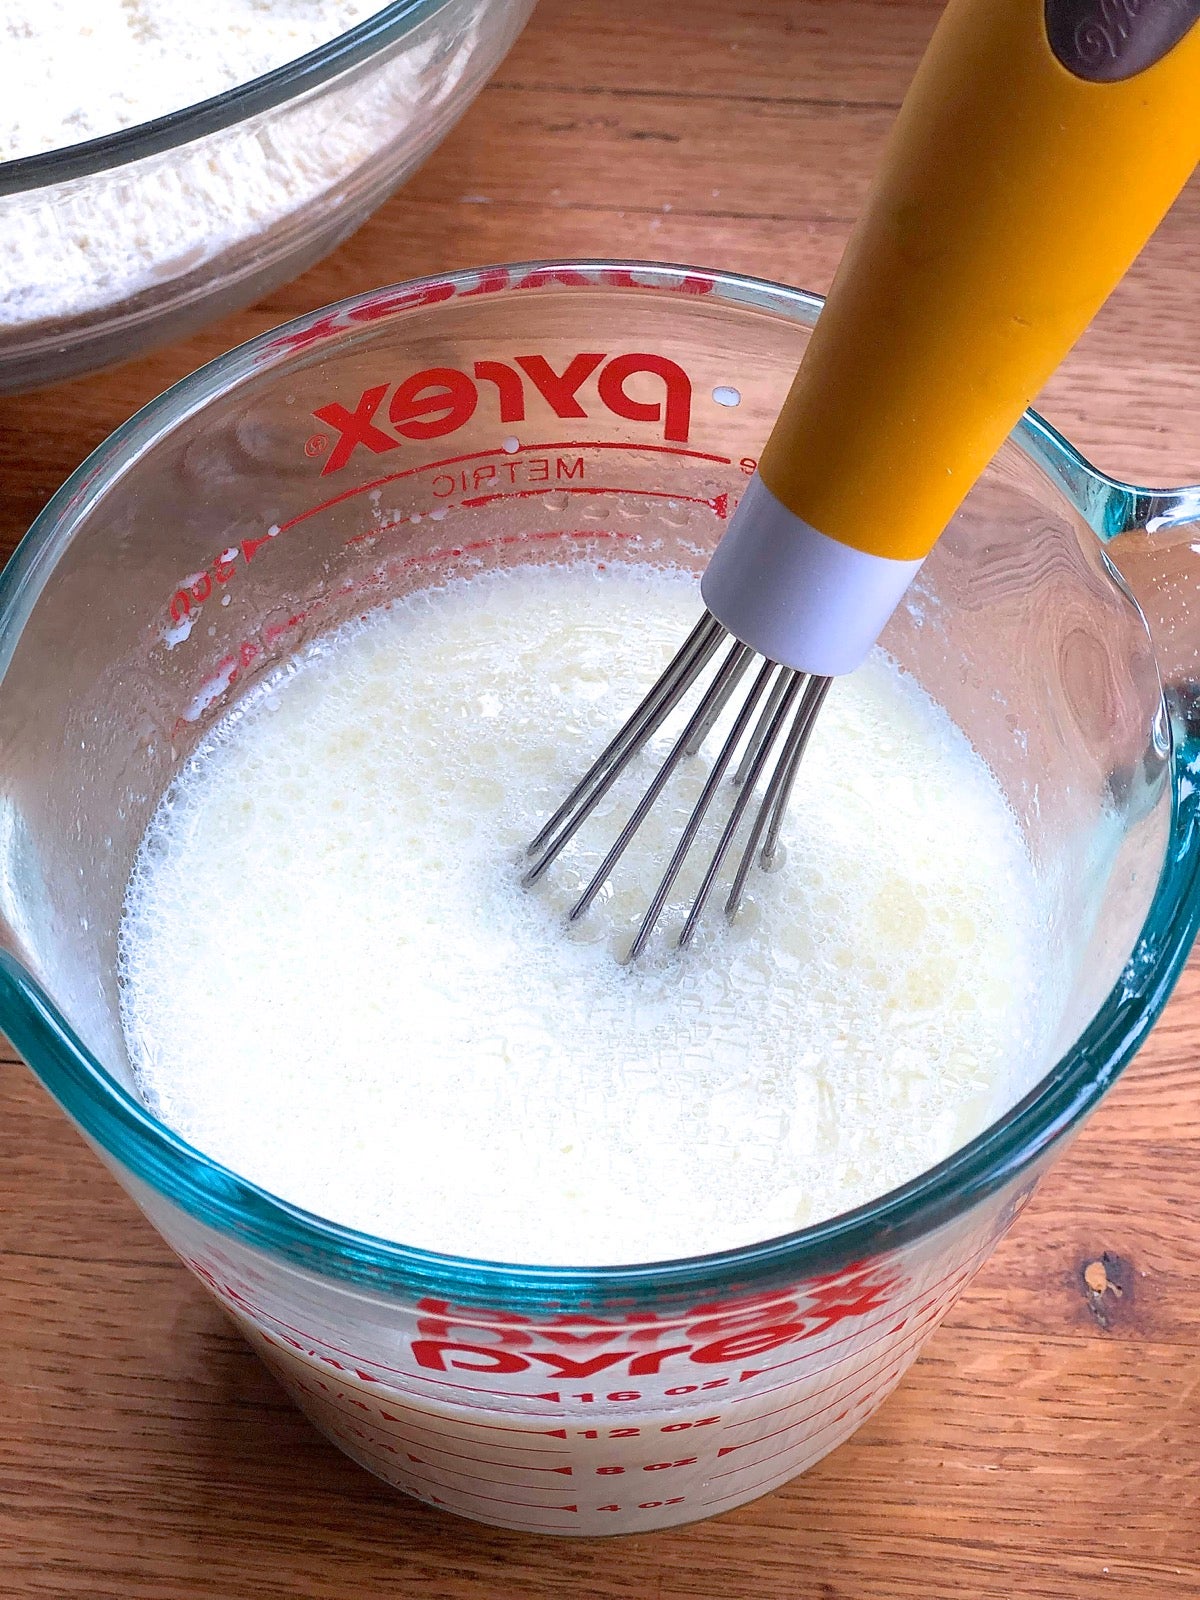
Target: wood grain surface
[(1048, 1443)]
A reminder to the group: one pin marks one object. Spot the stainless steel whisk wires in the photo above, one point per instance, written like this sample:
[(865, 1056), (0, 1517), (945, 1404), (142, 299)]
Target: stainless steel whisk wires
[(778, 698), (888, 422)]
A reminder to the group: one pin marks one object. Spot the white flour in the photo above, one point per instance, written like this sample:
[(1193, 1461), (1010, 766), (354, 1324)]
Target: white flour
[(395, 1034), (74, 69)]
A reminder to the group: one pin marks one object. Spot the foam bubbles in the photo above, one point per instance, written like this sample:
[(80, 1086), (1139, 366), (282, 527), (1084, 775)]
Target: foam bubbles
[(384, 1027)]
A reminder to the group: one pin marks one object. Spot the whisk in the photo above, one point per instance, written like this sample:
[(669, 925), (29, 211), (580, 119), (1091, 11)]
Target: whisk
[(1040, 144)]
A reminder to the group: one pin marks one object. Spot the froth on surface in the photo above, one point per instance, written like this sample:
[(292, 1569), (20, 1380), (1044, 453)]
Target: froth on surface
[(396, 1035)]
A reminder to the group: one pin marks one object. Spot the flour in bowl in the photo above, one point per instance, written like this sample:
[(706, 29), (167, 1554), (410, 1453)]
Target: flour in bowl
[(76, 69), (72, 70)]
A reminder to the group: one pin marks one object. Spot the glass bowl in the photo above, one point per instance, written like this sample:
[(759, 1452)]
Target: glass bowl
[(510, 415), (112, 246)]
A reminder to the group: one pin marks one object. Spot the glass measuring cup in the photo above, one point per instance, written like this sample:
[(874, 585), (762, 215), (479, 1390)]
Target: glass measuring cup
[(505, 416)]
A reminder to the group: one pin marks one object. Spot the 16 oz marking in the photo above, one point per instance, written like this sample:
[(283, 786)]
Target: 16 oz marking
[(617, 1396)]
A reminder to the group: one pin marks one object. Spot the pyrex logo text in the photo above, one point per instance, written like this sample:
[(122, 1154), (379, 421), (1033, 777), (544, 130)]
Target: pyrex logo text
[(439, 400), (458, 1339)]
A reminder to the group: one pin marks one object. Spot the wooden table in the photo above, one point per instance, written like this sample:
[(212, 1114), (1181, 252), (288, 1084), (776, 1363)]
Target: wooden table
[(1048, 1444)]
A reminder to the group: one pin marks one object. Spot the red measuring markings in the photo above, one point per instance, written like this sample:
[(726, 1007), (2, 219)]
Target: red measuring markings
[(647, 1505), (943, 1292), (850, 1365), (459, 1469), (484, 455), (718, 503), (498, 1359), (482, 1477), (199, 588), (322, 1398), (634, 1433), (229, 669), (469, 285), (878, 1383), (423, 1485), (543, 464), (886, 1369), (650, 1466), (360, 1413), (816, 1445), (755, 1323)]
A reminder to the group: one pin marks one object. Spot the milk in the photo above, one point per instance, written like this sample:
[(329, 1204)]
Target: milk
[(403, 1038)]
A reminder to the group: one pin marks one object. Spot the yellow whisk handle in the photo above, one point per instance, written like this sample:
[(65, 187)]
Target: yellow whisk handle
[(1040, 144), (1013, 194)]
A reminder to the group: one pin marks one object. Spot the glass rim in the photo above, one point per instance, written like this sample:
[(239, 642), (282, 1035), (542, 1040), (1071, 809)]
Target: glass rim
[(126, 145), (114, 1120)]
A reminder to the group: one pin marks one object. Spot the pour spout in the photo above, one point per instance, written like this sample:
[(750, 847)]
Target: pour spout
[(1152, 538)]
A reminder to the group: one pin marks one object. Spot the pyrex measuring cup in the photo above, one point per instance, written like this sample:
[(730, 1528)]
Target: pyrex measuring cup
[(513, 415)]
